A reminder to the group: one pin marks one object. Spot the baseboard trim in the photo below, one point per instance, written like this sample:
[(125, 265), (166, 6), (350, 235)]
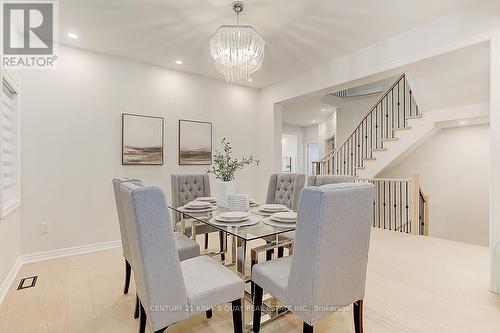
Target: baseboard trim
[(48, 255), (72, 251), (4, 289)]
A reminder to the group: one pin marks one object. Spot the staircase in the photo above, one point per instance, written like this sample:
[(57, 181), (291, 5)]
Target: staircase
[(380, 128), (392, 126)]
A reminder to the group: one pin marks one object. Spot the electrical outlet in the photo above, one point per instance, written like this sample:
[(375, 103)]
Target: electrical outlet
[(45, 228)]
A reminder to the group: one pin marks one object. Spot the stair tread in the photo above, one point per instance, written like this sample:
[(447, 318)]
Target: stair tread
[(368, 158), (391, 139), (402, 128)]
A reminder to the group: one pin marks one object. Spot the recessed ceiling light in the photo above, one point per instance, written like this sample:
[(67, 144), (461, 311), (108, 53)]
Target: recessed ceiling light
[(463, 122), (315, 121), (179, 62), (323, 110), (250, 80), (72, 35)]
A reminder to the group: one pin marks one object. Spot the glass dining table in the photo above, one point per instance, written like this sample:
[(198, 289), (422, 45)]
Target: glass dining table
[(241, 236)]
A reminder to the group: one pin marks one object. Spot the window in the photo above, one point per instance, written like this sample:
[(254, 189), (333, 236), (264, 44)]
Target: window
[(10, 153)]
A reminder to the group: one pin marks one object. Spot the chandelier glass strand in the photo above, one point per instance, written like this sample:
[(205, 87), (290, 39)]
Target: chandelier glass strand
[(237, 50)]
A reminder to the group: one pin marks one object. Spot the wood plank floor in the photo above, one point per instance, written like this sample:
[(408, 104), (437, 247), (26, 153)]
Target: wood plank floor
[(414, 284)]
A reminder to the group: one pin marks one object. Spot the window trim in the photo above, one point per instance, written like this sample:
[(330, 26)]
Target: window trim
[(9, 207)]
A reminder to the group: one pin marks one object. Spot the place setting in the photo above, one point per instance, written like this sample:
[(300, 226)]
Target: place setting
[(211, 200), (282, 219), (199, 206), (270, 209), (234, 219)]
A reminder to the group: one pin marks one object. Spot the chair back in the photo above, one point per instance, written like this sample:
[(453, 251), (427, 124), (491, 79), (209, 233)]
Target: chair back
[(320, 180), (285, 189), (158, 274), (328, 268), (123, 232), (186, 188)]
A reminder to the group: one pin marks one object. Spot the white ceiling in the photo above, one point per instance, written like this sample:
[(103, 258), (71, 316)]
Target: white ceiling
[(300, 34), (446, 81)]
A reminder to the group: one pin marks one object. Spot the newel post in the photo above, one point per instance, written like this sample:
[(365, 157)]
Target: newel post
[(414, 204)]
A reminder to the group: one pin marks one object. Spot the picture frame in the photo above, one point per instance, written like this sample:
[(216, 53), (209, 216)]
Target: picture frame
[(195, 142), (142, 139)]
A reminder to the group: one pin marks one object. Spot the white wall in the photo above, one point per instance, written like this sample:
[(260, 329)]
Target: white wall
[(72, 139), (298, 131), (326, 130), (10, 231), (454, 170)]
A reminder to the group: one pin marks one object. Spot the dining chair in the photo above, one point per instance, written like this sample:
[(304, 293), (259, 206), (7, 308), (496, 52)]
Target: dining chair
[(285, 189), (169, 290), (327, 270), (187, 248), (186, 188), (320, 180)]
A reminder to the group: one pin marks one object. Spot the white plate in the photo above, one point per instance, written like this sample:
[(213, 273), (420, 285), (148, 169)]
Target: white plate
[(198, 205), (244, 223), (274, 208), (278, 224), (229, 221), (236, 216), (206, 199), (285, 217)]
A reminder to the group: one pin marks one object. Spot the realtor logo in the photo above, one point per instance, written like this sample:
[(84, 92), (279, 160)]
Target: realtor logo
[(29, 34)]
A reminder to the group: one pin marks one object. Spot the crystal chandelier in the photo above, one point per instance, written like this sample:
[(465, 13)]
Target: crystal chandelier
[(237, 50)]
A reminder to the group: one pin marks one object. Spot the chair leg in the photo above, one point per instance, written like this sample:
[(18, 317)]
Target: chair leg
[(221, 245), (257, 309), (237, 316), (206, 241), (136, 312), (307, 328), (142, 320), (128, 270), (358, 316), (209, 314)]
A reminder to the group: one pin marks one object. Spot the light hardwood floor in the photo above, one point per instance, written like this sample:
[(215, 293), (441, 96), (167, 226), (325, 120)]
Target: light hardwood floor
[(414, 284)]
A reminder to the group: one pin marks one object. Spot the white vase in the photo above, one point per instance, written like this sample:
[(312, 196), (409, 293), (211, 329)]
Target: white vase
[(222, 190)]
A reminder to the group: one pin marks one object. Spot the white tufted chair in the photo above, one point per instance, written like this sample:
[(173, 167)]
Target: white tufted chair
[(321, 180), (186, 188), (285, 189)]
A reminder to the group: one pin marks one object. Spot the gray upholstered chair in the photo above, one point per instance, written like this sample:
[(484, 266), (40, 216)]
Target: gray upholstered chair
[(327, 270), (125, 247), (187, 248), (186, 188), (170, 290), (285, 189), (320, 180)]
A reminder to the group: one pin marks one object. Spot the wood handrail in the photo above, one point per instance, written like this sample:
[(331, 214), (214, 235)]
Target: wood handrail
[(334, 151)]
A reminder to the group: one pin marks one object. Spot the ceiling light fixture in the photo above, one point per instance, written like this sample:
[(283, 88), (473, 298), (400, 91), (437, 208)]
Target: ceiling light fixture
[(72, 35), (178, 62), (315, 121), (323, 110), (237, 50), (463, 122)]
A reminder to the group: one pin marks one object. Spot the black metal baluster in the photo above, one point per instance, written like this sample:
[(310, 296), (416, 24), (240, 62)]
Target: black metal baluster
[(404, 103), (399, 111), (392, 113), (407, 206), (386, 117)]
